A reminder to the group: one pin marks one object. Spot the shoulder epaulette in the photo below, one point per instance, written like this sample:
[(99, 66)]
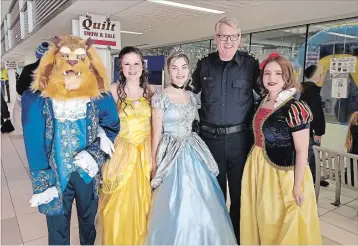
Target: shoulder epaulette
[(247, 54), (253, 56), (207, 56), (204, 56)]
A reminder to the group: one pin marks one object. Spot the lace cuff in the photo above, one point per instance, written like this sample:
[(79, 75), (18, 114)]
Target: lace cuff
[(85, 161), (44, 197)]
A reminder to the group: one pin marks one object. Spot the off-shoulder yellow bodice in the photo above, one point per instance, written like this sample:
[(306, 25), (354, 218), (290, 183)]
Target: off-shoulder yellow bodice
[(135, 120)]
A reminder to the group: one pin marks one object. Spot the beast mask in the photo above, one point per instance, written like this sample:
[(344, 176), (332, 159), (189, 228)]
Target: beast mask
[(70, 69)]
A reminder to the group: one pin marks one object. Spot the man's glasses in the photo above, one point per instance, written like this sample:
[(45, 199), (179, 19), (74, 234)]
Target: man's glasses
[(227, 37)]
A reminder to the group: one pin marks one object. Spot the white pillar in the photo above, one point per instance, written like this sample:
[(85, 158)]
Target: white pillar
[(30, 59), (105, 55), (12, 87), (14, 106), (30, 19)]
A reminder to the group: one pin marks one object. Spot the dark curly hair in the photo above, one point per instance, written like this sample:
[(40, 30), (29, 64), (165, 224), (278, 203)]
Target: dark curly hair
[(122, 81)]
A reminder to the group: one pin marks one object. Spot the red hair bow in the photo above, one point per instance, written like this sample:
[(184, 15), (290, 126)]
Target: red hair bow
[(271, 56)]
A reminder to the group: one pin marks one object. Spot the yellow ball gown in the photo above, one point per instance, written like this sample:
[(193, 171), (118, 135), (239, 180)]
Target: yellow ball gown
[(125, 195), (269, 213)]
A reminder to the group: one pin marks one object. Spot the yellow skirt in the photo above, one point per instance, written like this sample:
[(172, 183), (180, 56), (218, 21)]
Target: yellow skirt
[(269, 213), (125, 196)]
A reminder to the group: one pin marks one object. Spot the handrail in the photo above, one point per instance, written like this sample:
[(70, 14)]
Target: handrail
[(336, 152), (339, 163)]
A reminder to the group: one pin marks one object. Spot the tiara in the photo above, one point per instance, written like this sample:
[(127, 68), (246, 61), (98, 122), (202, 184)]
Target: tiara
[(176, 51)]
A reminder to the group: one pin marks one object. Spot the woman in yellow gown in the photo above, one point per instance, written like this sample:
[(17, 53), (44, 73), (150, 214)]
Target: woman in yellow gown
[(125, 194)]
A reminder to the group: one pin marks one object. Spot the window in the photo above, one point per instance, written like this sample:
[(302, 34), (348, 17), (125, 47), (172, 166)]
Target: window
[(196, 51), (328, 40), (158, 51), (161, 51), (288, 42), (335, 40)]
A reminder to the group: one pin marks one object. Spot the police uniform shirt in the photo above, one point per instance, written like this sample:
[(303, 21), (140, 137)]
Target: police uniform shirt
[(226, 88)]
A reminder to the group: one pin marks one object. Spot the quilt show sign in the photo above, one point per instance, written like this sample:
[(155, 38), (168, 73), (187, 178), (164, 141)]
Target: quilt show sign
[(103, 32)]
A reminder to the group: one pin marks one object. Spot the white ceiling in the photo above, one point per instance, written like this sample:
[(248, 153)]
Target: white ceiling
[(161, 24)]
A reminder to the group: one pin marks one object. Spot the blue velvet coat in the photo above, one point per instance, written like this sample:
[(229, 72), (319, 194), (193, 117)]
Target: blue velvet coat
[(38, 130)]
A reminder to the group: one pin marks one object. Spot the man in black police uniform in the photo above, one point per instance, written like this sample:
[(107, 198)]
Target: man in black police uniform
[(226, 80)]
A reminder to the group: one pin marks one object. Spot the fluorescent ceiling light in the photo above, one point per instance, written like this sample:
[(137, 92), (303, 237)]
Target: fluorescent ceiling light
[(186, 6), (135, 33), (255, 45), (342, 35)]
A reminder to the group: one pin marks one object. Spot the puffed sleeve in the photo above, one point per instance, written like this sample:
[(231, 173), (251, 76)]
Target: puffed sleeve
[(159, 100), (299, 116)]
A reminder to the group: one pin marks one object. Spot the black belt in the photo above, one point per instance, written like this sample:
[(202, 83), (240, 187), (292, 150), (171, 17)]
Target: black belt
[(223, 130)]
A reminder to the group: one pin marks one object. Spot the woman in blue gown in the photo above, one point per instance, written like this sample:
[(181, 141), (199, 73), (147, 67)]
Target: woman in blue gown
[(188, 206)]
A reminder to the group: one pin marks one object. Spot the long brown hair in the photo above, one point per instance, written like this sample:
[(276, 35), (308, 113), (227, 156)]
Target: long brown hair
[(122, 81), (349, 139), (288, 74)]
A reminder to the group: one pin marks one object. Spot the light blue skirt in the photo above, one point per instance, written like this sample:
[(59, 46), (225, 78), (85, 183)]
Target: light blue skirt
[(188, 208)]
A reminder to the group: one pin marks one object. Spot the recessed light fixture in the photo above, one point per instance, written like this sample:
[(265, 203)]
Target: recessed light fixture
[(135, 33), (139, 45), (186, 6)]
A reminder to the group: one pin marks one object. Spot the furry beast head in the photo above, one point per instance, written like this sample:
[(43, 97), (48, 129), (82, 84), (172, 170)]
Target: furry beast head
[(71, 68)]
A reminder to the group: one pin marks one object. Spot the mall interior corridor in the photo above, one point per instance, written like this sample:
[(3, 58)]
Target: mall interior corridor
[(21, 224), (317, 40)]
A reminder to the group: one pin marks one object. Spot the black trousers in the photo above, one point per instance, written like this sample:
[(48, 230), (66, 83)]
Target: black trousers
[(5, 114), (312, 159), (5, 85), (230, 152), (59, 225)]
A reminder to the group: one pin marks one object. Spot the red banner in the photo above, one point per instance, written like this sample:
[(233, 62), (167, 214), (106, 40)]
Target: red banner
[(104, 42)]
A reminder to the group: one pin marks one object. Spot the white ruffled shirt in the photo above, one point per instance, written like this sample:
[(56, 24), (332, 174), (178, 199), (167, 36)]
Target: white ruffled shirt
[(71, 110)]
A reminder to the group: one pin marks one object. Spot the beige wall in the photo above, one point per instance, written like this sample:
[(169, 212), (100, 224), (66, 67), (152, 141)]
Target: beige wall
[(335, 137)]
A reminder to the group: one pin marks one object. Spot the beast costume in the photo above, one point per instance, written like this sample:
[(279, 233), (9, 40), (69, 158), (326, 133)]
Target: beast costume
[(69, 120)]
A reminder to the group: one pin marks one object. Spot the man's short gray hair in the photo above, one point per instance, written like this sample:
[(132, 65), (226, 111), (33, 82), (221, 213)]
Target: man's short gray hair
[(230, 21)]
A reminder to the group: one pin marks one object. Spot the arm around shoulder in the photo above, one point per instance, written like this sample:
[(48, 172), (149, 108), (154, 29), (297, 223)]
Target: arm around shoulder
[(108, 116), (256, 75), (114, 91), (195, 84)]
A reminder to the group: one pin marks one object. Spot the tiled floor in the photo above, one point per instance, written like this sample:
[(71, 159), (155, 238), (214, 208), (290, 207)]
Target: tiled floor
[(21, 224)]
